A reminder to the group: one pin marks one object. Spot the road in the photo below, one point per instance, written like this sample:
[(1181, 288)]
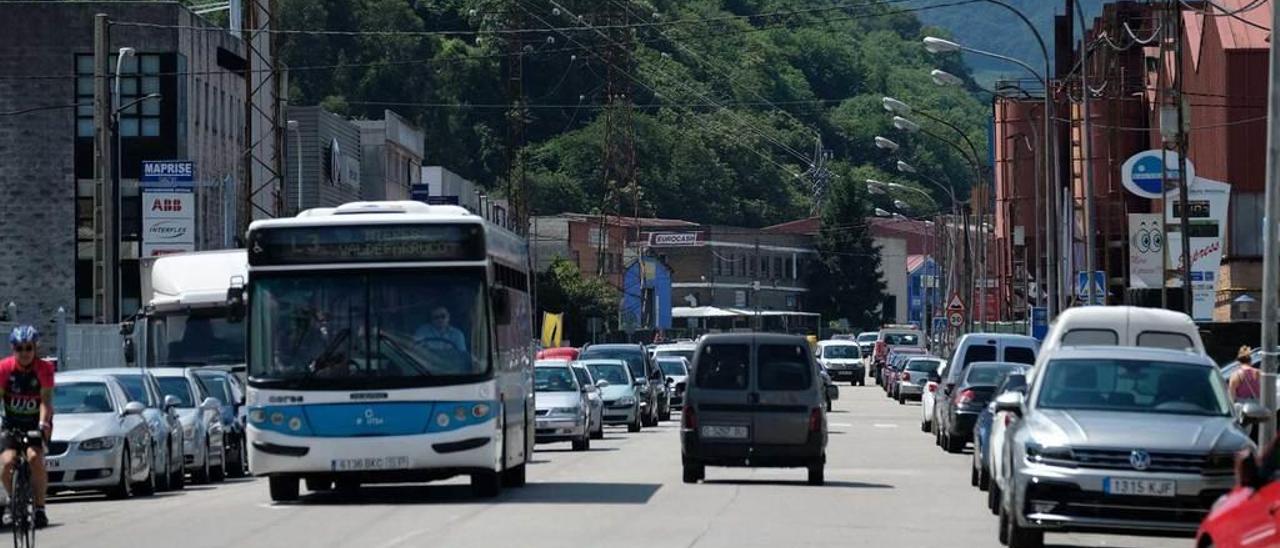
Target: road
[(887, 485)]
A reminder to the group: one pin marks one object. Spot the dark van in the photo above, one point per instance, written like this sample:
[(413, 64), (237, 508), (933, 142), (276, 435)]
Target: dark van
[(755, 400)]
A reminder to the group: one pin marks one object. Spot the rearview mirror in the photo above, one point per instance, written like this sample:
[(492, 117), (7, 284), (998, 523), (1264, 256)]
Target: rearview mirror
[(211, 403), (171, 402), (126, 329), (235, 304), (1009, 401), (133, 408)]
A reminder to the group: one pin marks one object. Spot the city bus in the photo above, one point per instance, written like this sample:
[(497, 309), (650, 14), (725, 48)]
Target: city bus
[(388, 342)]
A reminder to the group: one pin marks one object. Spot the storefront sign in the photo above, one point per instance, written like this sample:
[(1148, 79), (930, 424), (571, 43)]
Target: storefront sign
[(168, 207), (168, 174), (1207, 219), (675, 239), (1141, 173), (1145, 246)]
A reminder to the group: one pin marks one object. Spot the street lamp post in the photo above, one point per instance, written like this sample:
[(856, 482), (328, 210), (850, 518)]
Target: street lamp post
[(116, 225), (297, 132)]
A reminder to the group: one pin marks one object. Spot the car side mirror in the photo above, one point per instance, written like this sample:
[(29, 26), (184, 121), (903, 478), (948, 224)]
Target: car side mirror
[(235, 304), (1251, 413), (133, 408), (948, 388), (211, 404), (171, 403), (130, 353), (671, 381), (126, 329), (1009, 401), (602, 383)]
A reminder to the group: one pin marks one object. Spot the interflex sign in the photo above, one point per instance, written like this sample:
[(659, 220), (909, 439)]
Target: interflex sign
[(675, 239), (168, 207)]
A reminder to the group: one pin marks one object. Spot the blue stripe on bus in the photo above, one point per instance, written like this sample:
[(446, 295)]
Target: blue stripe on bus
[(345, 420)]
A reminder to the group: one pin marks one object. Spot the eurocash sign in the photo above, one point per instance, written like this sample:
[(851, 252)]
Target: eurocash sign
[(168, 207), (1206, 211), (1141, 173)]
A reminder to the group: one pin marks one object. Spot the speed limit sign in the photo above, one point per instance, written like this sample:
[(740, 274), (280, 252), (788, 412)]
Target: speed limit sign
[(955, 318)]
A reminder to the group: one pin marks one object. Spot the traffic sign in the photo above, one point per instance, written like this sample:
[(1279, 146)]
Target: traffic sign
[(955, 318), (955, 303), (1099, 285)]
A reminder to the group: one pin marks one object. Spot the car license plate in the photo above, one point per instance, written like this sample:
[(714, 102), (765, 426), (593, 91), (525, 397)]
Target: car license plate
[(1140, 487), (370, 463), (52, 464), (726, 432)]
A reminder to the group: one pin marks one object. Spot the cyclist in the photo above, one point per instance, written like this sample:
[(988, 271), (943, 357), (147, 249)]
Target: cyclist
[(26, 388)]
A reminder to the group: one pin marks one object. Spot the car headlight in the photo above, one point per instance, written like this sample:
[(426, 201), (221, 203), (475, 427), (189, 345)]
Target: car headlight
[(565, 410), (189, 431), (627, 400), (1057, 454), (98, 444)]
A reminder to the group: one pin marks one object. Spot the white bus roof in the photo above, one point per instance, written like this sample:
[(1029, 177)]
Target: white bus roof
[(371, 213)]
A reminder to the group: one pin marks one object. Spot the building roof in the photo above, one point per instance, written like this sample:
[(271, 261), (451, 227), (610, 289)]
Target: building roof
[(1235, 32), (807, 226), (915, 262), (642, 222)]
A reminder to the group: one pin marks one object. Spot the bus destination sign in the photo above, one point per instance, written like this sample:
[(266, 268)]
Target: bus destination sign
[(366, 243)]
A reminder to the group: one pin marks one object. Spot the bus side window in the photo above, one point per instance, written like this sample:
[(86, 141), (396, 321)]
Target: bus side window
[(502, 305)]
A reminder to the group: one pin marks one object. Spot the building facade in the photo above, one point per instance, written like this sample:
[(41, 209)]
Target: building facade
[(392, 150), (324, 162)]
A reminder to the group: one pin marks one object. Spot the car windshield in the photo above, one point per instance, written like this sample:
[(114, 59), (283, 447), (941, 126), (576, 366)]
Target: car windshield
[(398, 328), (632, 355), (923, 365), (81, 397), (177, 387), (553, 379), (868, 337), (841, 352), (195, 338), (217, 385), (615, 374), (673, 368), (987, 373), (134, 389), (686, 354), (1133, 385), (584, 377), (901, 339)]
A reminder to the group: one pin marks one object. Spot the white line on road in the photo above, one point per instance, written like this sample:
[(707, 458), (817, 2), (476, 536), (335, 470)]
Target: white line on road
[(884, 425)]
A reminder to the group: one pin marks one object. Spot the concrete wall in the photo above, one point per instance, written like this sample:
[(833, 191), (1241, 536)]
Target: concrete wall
[(893, 269)]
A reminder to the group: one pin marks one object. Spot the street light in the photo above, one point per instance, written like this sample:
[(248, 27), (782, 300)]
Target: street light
[(882, 213), (905, 125), (901, 205), (944, 78), (895, 106), (905, 167), (875, 187), (938, 45), (115, 179), (886, 144)]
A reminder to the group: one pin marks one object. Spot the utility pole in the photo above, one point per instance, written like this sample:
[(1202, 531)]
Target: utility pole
[(619, 134), (1184, 221), (106, 239), (1270, 233), (515, 118), (1086, 172)]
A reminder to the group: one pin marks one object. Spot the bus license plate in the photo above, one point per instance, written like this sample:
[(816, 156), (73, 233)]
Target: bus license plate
[(1140, 487), (726, 432), (370, 463)]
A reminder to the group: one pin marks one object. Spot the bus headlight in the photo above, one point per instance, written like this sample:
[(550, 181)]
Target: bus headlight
[(295, 424), (442, 420), (480, 410), (257, 416)]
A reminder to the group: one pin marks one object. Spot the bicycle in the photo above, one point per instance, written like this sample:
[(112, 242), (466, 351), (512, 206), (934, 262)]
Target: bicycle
[(22, 500)]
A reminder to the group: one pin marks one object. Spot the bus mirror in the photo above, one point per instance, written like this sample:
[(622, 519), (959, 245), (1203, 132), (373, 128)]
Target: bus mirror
[(501, 305), (126, 328), (129, 352), (235, 304)]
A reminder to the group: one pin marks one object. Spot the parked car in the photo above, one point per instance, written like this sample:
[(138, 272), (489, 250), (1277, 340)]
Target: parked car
[(890, 337), (1149, 434), (683, 349), (831, 391), (203, 446), (929, 397), (618, 390), (893, 367), (958, 411), (867, 346), (676, 370), (756, 400), (995, 446), (162, 418), (594, 401), (1123, 326), (225, 387), (101, 441), (843, 360), (1246, 516), (914, 378), (563, 412), (989, 347), (646, 375), (1012, 378)]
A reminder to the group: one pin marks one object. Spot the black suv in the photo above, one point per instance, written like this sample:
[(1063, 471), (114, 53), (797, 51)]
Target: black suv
[(646, 373)]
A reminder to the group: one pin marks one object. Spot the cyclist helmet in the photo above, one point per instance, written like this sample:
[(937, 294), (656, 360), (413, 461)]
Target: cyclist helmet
[(24, 334)]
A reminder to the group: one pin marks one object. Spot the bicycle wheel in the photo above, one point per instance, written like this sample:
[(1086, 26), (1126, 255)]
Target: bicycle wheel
[(20, 507)]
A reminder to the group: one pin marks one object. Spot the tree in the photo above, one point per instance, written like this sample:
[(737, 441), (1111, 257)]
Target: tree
[(563, 289), (846, 281)]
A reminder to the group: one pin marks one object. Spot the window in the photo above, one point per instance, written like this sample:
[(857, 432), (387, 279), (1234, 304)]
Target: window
[(1090, 337), (1019, 354), (139, 76), (979, 353), (723, 367), (784, 367), (777, 267), (1161, 339)]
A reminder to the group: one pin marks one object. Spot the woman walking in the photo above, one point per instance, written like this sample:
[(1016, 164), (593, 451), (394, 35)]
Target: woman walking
[(1245, 384)]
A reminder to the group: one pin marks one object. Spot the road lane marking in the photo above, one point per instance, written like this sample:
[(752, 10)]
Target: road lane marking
[(884, 425)]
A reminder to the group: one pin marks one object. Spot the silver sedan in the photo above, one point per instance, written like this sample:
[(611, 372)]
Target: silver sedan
[(100, 441)]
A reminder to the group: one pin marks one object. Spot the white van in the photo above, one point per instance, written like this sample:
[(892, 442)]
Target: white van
[(1123, 326), (990, 347)]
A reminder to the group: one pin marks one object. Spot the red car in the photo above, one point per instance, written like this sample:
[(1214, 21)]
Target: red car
[(1249, 515)]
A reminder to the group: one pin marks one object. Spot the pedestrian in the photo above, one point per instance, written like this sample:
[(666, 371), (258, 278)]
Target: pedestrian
[(1245, 383)]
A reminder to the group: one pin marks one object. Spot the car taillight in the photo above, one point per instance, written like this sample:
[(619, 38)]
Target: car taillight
[(815, 419), (880, 350), (965, 396), (932, 387), (1008, 419), (906, 376), (688, 418)]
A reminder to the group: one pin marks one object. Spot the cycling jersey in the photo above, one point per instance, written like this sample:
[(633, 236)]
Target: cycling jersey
[(22, 392)]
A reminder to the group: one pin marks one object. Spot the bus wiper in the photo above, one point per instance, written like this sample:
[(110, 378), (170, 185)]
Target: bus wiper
[(399, 347), (327, 357)]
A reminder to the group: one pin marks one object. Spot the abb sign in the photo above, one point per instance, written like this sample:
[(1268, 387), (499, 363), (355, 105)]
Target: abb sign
[(168, 205), (168, 222)]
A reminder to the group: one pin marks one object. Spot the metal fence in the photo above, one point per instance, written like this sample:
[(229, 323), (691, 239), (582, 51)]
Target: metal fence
[(76, 346)]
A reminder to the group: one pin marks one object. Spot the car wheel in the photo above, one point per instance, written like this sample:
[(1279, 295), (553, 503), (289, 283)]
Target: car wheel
[(973, 476), (924, 426), (283, 488), (635, 424), (148, 487), (516, 476), (237, 468), (1002, 528), (993, 498), (828, 405), (950, 444), (693, 473), (486, 484), (666, 415), (204, 473), (123, 488), (582, 444), (984, 478), (166, 477), (853, 382), (220, 473), (178, 477), (1021, 537), (817, 473), (598, 433)]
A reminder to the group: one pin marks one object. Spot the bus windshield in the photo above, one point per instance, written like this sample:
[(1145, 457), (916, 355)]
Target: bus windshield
[(197, 338), (388, 328)]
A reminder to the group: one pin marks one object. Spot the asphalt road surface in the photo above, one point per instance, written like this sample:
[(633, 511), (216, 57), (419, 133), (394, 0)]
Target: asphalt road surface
[(887, 485)]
